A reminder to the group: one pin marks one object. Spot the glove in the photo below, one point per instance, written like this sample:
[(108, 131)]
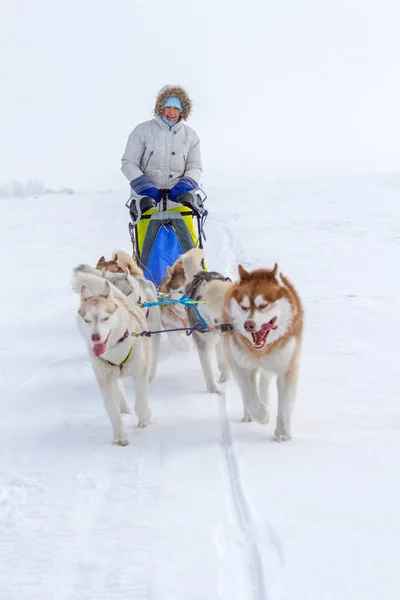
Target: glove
[(153, 192), (179, 188)]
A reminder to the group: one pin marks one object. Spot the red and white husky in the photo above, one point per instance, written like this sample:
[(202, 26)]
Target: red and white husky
[(267, 314)]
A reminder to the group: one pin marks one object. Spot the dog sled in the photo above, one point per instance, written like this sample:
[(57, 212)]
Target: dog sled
[(162, 234)]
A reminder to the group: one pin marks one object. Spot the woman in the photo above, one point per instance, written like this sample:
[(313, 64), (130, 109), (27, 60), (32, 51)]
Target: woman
[(163, 153)]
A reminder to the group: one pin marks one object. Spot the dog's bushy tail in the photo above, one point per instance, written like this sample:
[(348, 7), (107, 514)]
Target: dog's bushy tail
[(192, 262), (96, 284), (93, 281), (214, 294), (126, 262), (87, 269)]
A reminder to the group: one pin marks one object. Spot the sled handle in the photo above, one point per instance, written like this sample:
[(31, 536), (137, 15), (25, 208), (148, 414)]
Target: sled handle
[(164, 193)]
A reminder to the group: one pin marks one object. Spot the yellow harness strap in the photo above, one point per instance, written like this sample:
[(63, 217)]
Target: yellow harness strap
[(108, 362)]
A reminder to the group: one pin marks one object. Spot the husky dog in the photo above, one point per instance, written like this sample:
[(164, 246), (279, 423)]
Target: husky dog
[(173, 285), (138, 290), (125, 261), (110, 265), (124, 281), (267, 314), (209, 342), (119, 262), (107, 322)]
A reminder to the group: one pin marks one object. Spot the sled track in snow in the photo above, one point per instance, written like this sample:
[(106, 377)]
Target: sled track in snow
[(242, 508), (231, 250)]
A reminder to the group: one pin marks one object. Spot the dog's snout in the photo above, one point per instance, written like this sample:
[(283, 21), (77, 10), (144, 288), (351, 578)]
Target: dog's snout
[(250, 326), (95, 337)]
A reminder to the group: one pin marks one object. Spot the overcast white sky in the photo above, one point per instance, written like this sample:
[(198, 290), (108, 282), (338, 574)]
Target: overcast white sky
[(281, 88)]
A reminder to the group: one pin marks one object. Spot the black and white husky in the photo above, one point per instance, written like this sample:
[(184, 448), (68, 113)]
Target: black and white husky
[(207, 344)]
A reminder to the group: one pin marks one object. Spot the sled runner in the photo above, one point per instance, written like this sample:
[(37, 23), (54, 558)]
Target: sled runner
[(162, 234)]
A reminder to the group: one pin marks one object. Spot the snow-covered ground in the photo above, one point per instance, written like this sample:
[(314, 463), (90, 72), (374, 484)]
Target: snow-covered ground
[(201, 506)]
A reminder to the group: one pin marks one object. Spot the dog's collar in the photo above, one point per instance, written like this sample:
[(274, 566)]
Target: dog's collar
[(108, 362)]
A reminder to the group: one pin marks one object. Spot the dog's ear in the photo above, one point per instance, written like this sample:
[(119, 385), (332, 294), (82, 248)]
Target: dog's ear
[(101, 260), (85, 294), (243, 274), (107, 292), (169, 274), (276, 274), (118, 267)]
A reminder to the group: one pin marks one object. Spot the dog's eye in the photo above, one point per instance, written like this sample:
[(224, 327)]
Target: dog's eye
[(105, 319), (262, 306), (87, 320), (244, 307)]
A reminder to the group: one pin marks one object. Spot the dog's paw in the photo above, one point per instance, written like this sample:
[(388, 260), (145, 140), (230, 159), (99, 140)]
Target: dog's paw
[(143, 414), (223, 378), (125, 408), (247, 418), (282, 436), (214, 388), (144, 421), (261, 414), (121, 441)]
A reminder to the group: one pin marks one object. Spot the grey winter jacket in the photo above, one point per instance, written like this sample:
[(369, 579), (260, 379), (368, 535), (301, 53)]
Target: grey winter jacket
[(160, 155)]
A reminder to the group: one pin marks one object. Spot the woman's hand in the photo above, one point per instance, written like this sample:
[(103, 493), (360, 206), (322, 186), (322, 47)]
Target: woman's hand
[(153, 192), (184, 185)]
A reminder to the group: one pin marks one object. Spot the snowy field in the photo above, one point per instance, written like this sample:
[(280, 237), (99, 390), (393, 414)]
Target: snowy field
[(201, 506)]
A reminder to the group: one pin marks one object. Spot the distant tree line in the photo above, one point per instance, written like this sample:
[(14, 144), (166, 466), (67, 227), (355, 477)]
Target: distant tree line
[(31, 187)]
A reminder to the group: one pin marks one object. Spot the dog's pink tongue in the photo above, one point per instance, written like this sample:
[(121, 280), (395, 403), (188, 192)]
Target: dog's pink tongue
[(269, 326), (99, 349)]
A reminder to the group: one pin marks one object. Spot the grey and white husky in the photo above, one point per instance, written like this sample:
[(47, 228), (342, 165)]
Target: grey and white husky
[(137, 289), (208, 344), (106, 321)]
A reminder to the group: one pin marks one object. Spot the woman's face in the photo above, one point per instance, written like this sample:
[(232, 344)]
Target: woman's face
[(172, 113)]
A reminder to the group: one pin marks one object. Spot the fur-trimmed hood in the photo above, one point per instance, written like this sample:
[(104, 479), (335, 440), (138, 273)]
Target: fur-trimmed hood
[(173, 90)]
